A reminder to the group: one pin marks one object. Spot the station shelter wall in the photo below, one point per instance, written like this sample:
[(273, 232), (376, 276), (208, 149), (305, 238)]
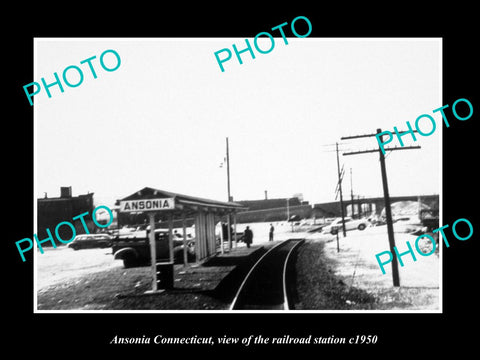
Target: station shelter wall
[(205, 240)]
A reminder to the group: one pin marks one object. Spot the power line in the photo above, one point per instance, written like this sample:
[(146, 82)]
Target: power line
[(386, 149), (335, 144), (340, 177), (388, 210), (356, 136), (370, 135)]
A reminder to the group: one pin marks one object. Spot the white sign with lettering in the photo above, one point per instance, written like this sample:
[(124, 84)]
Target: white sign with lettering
[(147, 205)]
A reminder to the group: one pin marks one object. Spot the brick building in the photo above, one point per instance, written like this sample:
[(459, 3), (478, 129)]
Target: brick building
[(53, 210)]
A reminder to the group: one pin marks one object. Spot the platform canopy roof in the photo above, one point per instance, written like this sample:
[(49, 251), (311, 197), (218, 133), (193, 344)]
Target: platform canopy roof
[(185, 204)]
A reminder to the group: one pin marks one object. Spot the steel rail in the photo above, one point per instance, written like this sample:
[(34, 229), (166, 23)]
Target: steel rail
[(248, 278), (286, 305)]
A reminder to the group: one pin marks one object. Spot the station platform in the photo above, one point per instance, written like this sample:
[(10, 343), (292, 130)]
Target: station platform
[(221, 273)]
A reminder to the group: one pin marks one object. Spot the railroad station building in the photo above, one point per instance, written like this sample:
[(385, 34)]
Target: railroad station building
[(168, 208)]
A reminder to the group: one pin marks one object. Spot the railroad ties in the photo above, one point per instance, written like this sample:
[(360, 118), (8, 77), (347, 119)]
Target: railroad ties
[(265, 286)]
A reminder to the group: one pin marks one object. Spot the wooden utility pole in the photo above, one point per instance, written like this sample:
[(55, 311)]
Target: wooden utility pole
[(341, 196), (351, 194), (388, 214), (359, 202), (388, 210)]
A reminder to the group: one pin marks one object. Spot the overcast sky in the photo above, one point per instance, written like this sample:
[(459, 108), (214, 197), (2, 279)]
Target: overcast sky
[(161, 119)]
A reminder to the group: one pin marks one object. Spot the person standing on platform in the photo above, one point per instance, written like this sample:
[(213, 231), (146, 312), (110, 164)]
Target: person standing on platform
[(270, 234), (248, 236)]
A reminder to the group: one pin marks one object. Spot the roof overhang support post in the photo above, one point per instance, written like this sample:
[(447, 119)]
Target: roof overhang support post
[(170, 236), (235, 228), (222, 250), (185, 255), (229, 233), (153, 252)]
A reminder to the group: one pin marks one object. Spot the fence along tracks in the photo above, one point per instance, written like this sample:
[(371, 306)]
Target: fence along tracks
[(265, 286)]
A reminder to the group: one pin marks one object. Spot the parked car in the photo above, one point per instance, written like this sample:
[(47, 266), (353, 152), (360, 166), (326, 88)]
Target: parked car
[(135, 250), (350, 224), (88, 241)]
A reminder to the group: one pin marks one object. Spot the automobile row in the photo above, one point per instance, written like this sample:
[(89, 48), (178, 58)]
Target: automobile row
[(132, 245)]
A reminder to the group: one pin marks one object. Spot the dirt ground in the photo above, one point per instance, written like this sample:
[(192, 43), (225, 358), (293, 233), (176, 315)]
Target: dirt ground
[(101, 285), (124, 289), (325, 279)]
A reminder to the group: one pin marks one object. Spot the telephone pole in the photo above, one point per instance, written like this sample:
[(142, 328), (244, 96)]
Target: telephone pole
[(359, 202), (341, 196), (388, 210), (351, 193)]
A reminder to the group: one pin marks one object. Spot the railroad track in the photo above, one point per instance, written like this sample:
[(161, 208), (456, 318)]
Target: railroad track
[(265, 286)]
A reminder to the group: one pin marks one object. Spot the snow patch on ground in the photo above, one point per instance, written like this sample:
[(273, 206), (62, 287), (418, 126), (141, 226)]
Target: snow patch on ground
[(356, 264)]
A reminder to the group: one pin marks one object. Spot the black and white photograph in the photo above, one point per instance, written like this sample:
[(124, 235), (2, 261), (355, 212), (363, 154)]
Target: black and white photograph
[(221, 182), (274, 206)]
